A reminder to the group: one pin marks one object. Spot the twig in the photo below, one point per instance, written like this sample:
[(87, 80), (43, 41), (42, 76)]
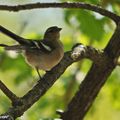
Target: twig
[(8, 93), (77, 5)]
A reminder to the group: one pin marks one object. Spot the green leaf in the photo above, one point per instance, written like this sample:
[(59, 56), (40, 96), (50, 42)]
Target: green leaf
[(90, 26)]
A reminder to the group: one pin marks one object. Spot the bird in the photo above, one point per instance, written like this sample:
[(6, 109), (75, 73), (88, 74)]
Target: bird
[(41, 54)]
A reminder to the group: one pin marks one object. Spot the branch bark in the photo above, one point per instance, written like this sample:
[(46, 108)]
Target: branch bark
[(78, 5), (49, 79), (8, 93), (94, 81)]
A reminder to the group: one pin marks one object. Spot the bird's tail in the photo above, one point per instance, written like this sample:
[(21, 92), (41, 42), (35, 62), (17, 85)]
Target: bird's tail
[(14, 47), (17, 38)]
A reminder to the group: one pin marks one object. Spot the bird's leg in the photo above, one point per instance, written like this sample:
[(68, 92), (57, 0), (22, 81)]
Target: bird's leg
[(38, 72)]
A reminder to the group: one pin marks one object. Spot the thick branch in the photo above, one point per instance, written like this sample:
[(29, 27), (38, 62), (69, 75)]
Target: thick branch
[(113, 47), (94, 81), (50, 77), (79, 5)]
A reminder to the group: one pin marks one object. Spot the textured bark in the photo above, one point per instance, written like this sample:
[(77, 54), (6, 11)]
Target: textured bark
[(20, 105), (94, 80), (78, 5)]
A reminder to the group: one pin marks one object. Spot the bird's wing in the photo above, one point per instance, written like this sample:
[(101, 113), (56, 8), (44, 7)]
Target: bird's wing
[(35, 46), (40, 45)]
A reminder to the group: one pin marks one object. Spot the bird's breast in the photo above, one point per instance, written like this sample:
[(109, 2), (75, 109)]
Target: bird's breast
[(44, 61)]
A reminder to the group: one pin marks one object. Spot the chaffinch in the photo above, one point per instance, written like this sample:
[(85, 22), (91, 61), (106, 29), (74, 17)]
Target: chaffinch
[(41, 54)]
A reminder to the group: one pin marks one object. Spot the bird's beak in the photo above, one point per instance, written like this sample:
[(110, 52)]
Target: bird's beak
[(59, 29)]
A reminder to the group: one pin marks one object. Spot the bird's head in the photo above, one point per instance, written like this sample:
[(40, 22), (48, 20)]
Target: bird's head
[(52, 33)]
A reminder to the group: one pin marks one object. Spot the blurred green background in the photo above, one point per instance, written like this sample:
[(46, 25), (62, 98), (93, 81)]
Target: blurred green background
[(82, 26)]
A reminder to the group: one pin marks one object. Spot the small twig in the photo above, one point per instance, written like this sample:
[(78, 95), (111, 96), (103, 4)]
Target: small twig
[(80, 5), (8, 93)]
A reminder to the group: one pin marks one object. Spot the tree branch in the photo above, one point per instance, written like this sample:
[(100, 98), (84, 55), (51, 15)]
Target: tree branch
[(94, 81), (77, 5), (8, 93), (113, 47), (50, 77)]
